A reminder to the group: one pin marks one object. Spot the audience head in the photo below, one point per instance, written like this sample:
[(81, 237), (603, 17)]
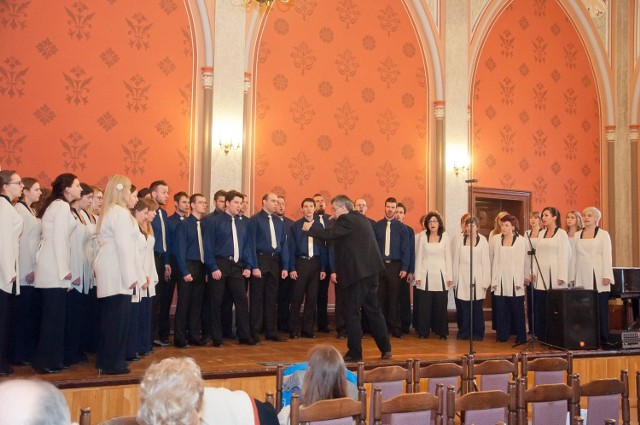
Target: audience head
[(32, 402), (326, 376), (592, 216), (433, 223), (159, 191), (573, 219), (171, 393), (10, 184), (551, 217), (66, 187)]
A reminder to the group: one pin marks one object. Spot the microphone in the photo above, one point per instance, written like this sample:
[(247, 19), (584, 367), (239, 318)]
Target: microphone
[(471, 181)]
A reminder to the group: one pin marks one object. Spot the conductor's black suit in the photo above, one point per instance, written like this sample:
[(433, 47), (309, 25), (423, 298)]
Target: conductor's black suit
[(358, 263)]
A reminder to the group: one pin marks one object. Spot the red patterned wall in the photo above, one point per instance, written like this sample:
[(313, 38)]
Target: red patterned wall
[(341, 105), (96, 88), (535, 109)]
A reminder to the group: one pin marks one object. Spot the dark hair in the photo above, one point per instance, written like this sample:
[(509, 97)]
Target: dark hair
[(307, 200), (5, 177), (401, 205), (58, 186), (391, 199), (318, 194), (429, 216), (154, 185), (554, 213), (86, 189), (133, 188), (28, 183), (220, 193), (180, 195), (423, 217), (143, 192), (266, 196), (511, 219), (192, 198), (228, 197)]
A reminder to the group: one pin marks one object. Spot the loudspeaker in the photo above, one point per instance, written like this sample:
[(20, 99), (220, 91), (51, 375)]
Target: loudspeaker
[(572, 319)]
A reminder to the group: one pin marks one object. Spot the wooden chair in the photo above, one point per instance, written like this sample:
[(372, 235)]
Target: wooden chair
[(392, 380), (605, 398), (338, 411), (408, 408), (279, 387), (85, 416), (483, 407), (446, 373), (120, 420), (494, 374), (548, 370), (550, 402)]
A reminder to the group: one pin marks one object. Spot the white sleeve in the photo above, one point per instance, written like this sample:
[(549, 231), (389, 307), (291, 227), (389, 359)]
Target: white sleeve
[(486, 267), (125, 245), (60, 237), (564, 256), (607, 262), (448, 259), (7, 257)]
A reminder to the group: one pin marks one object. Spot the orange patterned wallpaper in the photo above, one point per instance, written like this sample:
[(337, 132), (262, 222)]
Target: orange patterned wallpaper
[(341, 105), (535, 109), (96, 88)]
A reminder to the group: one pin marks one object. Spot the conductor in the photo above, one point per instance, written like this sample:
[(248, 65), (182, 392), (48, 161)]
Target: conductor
[(358, 263)]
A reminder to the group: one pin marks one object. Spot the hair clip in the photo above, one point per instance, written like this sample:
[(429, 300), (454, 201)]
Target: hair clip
[(119, 186)]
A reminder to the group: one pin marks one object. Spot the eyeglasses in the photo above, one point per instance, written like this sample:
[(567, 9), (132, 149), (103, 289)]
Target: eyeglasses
[(19, 183), (433, 221)]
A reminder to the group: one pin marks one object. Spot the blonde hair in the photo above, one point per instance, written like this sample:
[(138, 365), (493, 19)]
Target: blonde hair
[(579, 222), (171, 393), (496, 224), (117, 192), (326, 376), (596, 213), (152, 206)]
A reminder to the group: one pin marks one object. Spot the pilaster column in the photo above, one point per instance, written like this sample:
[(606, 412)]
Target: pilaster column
[(634, 134), (437, 160), (207, 86)]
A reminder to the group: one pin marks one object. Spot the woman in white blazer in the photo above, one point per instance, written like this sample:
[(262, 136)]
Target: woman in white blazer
[(54, 275), (11, 225), (507, 280), (139, 213), (462, 280), (116, 274), (531, 241), (455, 242), (78, 296), (92, 328), (148, 289), (434, 276), (26, 309), (592, 268), (553, 252)]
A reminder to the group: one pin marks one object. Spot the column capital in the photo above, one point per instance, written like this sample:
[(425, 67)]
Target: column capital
[(247, 82), (438, 109), (207, 77), (634, 132), (610, 133)]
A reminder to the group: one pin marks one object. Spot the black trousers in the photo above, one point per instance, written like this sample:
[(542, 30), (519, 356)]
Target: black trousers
[(364, 294), (509, 315), (6, 302), (92, 327), (404, 305), (529, 296), (540, 314), (478, 320), (113, 339), (144, 330), (263, 297), (304, 288), (226, 313), (323, 302), (75, 320), (285, 287), (163, 300), (232, 282), (189, 308), (432, 313), (388, 295), (417, 293), (26, 324), (50, 351), (603, 316), (131, 351)]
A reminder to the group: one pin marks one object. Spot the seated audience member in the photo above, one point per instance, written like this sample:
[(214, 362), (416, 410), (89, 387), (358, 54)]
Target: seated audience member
[(172, 393), (325, 379), (32, 402)]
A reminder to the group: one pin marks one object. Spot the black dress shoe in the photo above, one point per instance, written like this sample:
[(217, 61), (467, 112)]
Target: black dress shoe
[(308, 335), (386, 355), (229, 336), (351, 358), (218, 344), (293, 335), (443, 337), (277, 338), (47, 371), (181, 344), (197, 342), (325, 330), (248, 341), (397, 335), (160, 343), (116, 372)]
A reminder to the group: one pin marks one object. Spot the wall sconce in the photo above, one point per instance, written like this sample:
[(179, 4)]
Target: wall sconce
[(263, 2), (460, 168), (226, 147)]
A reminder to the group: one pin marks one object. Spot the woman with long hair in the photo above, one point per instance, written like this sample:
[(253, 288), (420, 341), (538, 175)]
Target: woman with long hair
[(325, 379), (54, 275), (434, 276), (26, 308), (98, 201), (591, 266), (11, 223), (92, 325), (148, 289), (553, 252), (116, 275), (507, 281), (531, 241), (573, 225), (140, 212)]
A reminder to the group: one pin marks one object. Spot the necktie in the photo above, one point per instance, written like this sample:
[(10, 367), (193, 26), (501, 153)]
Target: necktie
[(322, 221), (200, 241), (272, 230), (310, 242), (387, 240), (234, 233), (164, 238)]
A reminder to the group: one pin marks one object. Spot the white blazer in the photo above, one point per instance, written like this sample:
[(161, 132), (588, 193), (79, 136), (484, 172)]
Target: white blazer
[(54, 256), (79, 256), (11, 223), (433, 262), (150, 268), (90, 249), (115, 265), (29, 242), (481, 269), (553, 256), (592, 259), (141, 253), (508, 267), (530, 263)]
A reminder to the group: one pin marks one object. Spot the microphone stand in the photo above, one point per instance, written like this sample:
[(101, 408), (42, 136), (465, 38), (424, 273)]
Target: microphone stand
[(531, 342), (472, 282)]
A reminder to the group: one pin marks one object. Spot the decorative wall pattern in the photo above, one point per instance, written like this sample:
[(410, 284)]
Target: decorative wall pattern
[(535, 109), (341, 105), (96, 88)]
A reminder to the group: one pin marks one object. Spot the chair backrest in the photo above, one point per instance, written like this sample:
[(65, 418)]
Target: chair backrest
[(408, 409), (494, 374), (483, 407), (606, 398), (446, 373), (391, 380), (548, 370), (337, 411), (85, 416), (550, 402), (279, 387), (121, 420)]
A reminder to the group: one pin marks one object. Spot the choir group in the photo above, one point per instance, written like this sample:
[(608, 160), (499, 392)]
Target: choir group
[(86, 270)]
